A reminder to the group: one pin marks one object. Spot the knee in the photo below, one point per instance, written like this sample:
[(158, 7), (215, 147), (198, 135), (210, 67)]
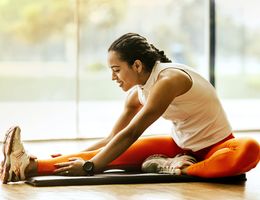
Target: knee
[(245, 156), (252, 146), (250, 150)]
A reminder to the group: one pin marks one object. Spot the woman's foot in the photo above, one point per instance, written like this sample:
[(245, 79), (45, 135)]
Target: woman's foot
[(164, 165), (15, 157)]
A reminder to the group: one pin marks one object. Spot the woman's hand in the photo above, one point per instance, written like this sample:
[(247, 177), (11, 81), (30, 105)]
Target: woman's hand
[(56, 155), (72, 168)]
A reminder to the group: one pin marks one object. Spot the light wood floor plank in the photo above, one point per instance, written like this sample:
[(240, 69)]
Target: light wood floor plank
[(250, 190)]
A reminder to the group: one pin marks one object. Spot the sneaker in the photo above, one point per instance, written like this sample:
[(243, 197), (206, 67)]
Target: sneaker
[(164, 165), (15, 158)]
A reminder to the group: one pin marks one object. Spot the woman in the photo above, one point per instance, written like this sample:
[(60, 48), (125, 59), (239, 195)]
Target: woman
[(159, 88)]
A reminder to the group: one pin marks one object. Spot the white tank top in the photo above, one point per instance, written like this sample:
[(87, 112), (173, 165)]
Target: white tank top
[(197, 116)]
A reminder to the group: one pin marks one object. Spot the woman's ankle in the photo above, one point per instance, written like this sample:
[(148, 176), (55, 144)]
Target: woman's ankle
[(31, 169), (184, 170)]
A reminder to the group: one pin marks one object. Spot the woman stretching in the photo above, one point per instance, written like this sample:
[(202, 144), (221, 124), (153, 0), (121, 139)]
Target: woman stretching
[(201, 143)]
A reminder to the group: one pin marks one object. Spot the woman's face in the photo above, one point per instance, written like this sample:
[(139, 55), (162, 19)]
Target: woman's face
[(126, 76)]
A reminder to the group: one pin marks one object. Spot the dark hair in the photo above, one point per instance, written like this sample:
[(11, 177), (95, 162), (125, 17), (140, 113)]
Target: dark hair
[(132, 46)]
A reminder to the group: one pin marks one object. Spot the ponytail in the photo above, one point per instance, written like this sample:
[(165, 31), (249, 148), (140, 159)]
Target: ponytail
[(162, 57)]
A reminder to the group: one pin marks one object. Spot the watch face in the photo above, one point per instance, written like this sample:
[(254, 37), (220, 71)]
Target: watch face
[(88, 167)]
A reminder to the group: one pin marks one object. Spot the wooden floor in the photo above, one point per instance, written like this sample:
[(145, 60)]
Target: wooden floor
[(249, 190)]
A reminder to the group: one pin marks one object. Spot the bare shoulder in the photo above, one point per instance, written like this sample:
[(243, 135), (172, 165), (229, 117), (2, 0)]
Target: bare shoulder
[(174, 74), (180, 81)]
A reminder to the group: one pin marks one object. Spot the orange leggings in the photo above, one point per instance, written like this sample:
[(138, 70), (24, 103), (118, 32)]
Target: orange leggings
[(229, 157)]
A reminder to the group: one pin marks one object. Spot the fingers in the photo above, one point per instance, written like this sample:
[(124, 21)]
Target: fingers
[(62, 171), (63, 164), (56, 155), (62, 168), (71, 168), (74, 158)]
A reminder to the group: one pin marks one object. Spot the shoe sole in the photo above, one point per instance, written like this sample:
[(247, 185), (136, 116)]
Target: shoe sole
[(7, 148)]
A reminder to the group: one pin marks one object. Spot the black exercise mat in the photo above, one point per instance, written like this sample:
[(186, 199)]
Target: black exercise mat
[(125, 178)]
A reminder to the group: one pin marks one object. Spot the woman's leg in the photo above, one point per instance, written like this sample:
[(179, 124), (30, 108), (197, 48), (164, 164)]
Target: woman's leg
[(232, 157), (131, 158)]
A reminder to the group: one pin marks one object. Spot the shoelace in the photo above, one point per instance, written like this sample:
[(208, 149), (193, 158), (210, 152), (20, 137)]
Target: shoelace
[(174, 166)]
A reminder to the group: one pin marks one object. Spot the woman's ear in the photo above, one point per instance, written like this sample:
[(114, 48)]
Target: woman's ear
[(138, 66)]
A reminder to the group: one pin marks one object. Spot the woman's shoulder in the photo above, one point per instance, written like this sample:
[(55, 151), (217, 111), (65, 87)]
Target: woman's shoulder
[(172, 71), (173, 65), (177, 79)]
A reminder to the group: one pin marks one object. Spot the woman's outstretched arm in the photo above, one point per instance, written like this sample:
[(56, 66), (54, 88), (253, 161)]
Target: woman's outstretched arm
[(161, 95)]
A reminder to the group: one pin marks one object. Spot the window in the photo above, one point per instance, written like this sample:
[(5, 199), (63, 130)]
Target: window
[(238, 61), (54, 79), (37, 68), (166, 24)]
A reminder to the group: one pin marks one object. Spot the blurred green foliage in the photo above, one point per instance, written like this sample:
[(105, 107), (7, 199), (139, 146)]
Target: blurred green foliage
[(40, 30), (34, 21)]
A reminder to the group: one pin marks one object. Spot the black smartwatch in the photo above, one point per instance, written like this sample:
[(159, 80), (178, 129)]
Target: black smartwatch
[(88, 167)]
